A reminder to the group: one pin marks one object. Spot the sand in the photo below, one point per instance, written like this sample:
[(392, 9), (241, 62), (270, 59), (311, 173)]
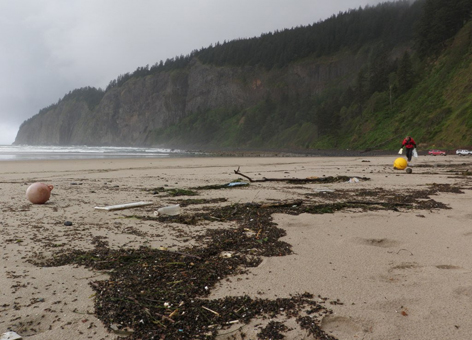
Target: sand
[(399, 274)]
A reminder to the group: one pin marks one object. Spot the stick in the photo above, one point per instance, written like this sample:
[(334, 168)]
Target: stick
[(124, 206), (282, 204), (208, 309), (183, 254), (404, 250), (239, 173), (378, 203), (329, 179)]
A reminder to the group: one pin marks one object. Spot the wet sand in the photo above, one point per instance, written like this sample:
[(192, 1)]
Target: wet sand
[(397, 273)]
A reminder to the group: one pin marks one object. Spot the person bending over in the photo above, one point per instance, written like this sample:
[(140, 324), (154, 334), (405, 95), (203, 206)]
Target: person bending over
[(409, 145)]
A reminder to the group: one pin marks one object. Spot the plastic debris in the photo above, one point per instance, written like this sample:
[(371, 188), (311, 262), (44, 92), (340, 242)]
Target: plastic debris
[(39, 193), (400, 163), (10, 336), (226, 254), (353, 180), (171, 210), (323, 190), (235, 184), (124, 206)]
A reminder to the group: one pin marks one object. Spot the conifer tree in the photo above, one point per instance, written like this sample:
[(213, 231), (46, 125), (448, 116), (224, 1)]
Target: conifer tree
[(405, 74)]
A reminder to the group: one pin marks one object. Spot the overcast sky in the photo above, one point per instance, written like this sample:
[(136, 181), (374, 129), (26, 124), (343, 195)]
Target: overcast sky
[(50, 47)]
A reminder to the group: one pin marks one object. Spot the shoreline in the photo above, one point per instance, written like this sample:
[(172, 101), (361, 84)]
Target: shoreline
[(395, 270)]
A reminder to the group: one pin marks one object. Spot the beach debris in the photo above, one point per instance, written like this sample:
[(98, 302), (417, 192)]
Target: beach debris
[(313, 179), (400, 164), (353, 180), (323, 190), (10, 336), (226, 254), (237, 184), (223, 186), (142, 280), (124, 206), (173, 192), (180, 192), (39, 193), (68, 223), (290, 204), (170, 210), (409, 170), (118, 329)]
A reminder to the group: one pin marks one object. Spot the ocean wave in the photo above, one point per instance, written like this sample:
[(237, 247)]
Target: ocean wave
[(30, 152)]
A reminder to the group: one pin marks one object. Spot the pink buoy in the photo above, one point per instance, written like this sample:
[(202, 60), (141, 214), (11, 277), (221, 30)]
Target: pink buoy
[(38, 193)]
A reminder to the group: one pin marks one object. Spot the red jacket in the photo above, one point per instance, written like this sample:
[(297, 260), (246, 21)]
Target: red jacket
[(409, 144)]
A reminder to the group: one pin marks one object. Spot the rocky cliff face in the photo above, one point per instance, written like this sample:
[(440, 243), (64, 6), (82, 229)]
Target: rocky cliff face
[(127, 115)]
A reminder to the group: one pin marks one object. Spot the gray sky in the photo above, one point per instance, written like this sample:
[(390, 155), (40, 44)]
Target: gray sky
[(50, 47)]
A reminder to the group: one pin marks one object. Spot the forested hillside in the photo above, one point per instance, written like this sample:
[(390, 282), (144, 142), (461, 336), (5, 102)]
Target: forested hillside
[(360, 79)]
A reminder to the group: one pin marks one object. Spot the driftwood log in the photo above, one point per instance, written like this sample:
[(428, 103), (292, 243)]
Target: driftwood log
[(327, 179)]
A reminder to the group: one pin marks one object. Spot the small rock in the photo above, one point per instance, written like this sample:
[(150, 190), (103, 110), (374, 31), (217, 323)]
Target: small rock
[(67, 223)]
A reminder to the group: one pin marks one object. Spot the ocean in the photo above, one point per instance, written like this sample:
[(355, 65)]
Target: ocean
[(29, 152)]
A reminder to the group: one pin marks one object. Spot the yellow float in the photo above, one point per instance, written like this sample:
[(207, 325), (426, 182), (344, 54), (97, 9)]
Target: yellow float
[(400, 163)]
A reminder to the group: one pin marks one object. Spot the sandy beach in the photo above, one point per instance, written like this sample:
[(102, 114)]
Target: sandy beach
[(393, 261)]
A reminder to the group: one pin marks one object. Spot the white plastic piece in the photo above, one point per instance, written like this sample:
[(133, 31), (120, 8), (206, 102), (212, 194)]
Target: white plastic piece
[(170, 210), (124, 206), (235, 184), (323, 190), (10, 336)]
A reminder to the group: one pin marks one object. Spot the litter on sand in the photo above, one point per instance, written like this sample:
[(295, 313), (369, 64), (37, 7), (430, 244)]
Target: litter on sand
[(353, 180), (235, 184), (124, 206), (10, 336), (323, 190), (171, 210)]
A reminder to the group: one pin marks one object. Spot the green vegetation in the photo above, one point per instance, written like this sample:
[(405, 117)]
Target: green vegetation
[(424, 92), (407, 70)]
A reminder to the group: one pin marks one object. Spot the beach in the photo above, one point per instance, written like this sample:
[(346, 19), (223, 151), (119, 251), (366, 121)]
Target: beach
[(389, 256)]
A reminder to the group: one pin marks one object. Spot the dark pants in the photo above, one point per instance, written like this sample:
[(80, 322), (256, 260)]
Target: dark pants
[(409, 153)]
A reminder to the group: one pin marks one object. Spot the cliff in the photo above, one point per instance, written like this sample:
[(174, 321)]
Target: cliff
[(132, 114), (359, 80)]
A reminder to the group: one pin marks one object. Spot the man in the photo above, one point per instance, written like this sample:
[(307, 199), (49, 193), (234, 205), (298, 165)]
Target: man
[(409, 145)]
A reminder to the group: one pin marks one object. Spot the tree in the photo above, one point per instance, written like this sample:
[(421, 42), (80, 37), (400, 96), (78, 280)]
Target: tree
[(440, 20), (405, 74), (379, 70)]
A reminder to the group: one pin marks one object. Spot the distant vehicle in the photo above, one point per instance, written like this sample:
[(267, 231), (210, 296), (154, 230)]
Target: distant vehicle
[(462, 152), (437, 153)]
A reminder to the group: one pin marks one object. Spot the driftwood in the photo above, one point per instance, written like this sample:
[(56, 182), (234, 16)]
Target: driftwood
[(379, 203), (329, 179), (282, 204)]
